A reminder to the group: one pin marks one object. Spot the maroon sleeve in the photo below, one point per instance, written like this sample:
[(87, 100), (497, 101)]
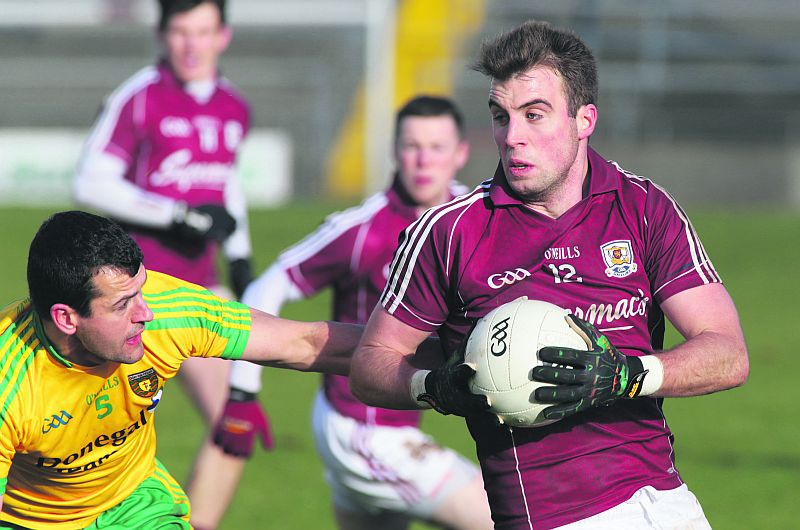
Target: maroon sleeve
[(322, 257), (417, 289), (675, 257)]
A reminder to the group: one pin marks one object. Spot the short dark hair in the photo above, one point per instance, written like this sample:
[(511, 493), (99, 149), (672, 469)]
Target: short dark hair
[(536, 43), (173, 7), (65, 254), (429, 106)]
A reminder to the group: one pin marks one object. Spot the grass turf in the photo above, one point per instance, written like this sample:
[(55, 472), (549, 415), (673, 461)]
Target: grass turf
[(736, 449)]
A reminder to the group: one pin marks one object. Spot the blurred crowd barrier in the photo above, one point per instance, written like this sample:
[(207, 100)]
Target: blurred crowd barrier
[(703, 97)]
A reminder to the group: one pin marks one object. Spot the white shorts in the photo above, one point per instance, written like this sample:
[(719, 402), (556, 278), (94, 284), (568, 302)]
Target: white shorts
[(374, 468), (650, 509)]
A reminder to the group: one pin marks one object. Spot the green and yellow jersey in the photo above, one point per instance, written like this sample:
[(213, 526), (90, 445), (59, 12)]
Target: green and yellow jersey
[(75, 440)]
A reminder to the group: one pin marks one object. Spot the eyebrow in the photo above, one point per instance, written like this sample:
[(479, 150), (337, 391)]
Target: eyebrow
[(124, 299), (537, 101)]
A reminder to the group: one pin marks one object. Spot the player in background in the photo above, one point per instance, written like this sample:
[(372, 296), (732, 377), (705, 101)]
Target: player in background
[(84, 362), (559, 223), (161, 159), (383, 471)]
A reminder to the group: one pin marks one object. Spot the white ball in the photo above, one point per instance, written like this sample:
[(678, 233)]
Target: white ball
[(503, 349)]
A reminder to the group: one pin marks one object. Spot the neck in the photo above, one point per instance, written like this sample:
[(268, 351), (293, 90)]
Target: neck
[(68, 346), (553, 203)]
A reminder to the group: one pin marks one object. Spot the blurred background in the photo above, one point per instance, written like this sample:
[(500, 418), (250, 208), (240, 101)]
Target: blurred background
[(703, 97)]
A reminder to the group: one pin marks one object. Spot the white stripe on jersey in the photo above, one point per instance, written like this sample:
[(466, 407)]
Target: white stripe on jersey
[(334, 226), (107, 120), (415, 236), (519, 478), (702, 263)]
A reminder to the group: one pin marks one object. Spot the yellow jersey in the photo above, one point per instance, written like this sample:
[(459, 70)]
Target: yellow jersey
[(75, 440)]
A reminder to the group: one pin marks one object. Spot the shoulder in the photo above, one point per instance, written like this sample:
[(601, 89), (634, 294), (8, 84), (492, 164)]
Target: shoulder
[(337, 228), (458, 214), (160, 288), (136, 84), (233, 92), (642, 190), (16, 323), (344, 220)]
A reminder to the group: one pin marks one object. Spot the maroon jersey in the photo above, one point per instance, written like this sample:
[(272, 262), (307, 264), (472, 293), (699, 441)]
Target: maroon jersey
[(351, 252), (178, 147), (612, 259)]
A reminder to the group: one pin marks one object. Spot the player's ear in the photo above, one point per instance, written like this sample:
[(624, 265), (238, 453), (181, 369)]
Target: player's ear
[(462, 154), (226, 35), (586, 119), (65, 318)]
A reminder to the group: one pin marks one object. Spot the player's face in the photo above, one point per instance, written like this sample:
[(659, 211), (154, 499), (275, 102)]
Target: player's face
[(193, 42), (539, 142), (429, 153), (113, 330)]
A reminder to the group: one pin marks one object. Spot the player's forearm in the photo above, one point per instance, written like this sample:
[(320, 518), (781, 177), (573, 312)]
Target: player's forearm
[(709, 362), (382, 379), (100, 184), (238, 243), (305, 346)]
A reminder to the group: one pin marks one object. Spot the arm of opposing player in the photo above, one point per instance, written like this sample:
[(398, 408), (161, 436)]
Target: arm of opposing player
[(305, 346), (267, 293), (238, 245), (385, 361), (714, 356)]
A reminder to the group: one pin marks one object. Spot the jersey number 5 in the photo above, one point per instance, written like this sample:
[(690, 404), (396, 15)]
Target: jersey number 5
[(102, 406)]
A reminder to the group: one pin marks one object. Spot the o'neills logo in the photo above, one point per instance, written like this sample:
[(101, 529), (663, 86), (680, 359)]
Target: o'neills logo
[(144, 384)]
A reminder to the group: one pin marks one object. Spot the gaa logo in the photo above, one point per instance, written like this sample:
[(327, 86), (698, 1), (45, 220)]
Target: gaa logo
[(496, 281), (497, 340), (55, 421)]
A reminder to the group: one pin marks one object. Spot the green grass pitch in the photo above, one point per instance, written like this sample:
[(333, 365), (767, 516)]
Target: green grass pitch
[(737, 450)]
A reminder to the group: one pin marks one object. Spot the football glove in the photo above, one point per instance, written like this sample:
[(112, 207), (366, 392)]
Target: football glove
[(447, 390), (241, 275), (586, 378), (206, 221), (242, 420)]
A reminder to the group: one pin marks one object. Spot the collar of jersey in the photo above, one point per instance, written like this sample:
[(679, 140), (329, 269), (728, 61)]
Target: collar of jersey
[(602, 181), (39, 327)]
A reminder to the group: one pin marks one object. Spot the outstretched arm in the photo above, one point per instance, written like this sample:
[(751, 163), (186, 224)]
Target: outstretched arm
[(305, 346)]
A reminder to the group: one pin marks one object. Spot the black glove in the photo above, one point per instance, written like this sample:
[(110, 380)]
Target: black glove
[(447, 390), (206, 221), (241, 275), (586, 379)]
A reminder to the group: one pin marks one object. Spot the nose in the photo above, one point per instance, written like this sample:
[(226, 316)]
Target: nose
[(423, 157), (142, 312), (514, 136)]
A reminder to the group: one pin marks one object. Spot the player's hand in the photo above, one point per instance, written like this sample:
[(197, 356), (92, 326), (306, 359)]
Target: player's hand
[(241, 273), (594, 377), (447, 390), (207, 221), (242, 421)]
